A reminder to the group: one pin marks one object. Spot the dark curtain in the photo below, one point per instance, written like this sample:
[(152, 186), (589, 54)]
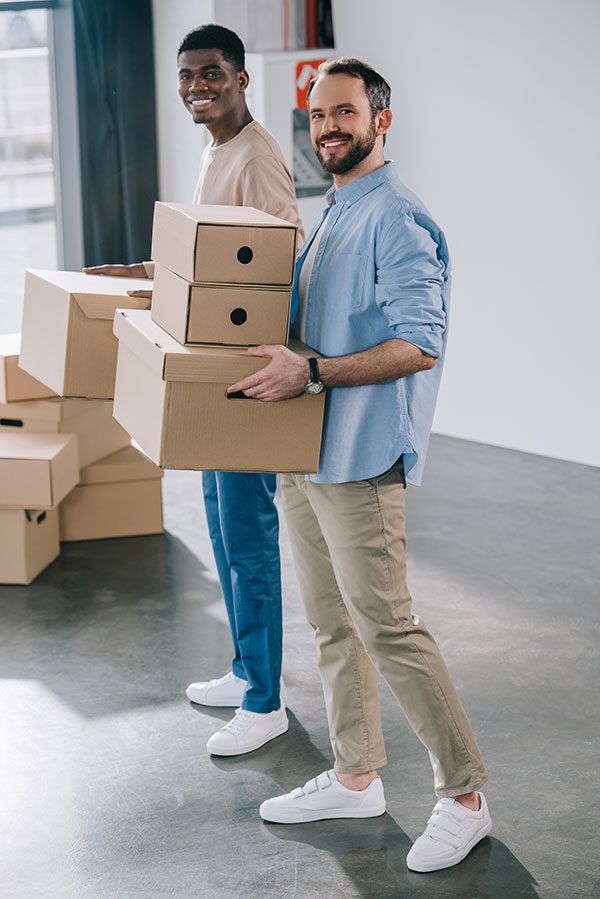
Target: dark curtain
[(117, 127)]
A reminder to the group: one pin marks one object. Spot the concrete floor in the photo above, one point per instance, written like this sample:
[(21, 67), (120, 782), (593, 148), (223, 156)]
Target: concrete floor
[(107, 790)]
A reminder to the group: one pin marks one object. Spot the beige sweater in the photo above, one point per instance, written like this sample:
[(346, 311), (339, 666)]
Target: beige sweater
[(248, 170)]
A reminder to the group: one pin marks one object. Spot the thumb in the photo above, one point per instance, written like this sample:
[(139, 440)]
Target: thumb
[(259, 351)]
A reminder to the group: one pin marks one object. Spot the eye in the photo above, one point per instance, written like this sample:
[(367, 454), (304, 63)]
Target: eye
[(316, 115), (183, 76), (346, 111)]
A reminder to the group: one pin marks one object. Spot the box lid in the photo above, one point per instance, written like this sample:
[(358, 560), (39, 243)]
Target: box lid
[(128, 464), (162, 353), (27, 446), (52, 409), (228, 215), (200, 364), (98, 295)]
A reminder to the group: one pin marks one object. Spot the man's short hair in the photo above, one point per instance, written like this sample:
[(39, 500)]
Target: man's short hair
[(216, 37), (378, 91)]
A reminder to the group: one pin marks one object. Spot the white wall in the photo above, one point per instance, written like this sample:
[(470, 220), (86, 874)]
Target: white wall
[(497, 128), (180, 142)]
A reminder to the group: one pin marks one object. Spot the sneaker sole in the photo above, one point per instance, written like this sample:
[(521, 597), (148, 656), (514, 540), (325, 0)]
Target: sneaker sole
[(232, 704), (278, 732), (325, 815), (426, 869)]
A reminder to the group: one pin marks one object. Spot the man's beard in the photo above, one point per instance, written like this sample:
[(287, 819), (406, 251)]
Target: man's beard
[(359, 150)]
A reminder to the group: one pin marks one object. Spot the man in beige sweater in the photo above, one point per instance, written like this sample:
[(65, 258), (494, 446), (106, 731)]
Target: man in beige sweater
[(243, 166)]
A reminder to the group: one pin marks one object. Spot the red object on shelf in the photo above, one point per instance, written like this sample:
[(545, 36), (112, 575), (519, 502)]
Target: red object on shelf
[(305, 70), (312, 24)]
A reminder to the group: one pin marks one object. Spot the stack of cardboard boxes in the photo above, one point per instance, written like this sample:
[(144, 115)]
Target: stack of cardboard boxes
[(67, 468), (223, 281)]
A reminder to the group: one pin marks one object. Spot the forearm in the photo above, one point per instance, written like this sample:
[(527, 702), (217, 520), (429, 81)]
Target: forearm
[(386, 362)]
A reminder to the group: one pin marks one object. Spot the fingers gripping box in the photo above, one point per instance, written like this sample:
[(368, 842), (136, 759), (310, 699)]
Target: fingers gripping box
[(172, 400)]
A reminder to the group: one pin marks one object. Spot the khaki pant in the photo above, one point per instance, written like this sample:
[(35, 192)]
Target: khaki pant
[(349, 548)]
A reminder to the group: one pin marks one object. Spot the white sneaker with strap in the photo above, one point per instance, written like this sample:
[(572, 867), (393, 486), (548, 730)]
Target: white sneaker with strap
[(322, 798), (451, 833)]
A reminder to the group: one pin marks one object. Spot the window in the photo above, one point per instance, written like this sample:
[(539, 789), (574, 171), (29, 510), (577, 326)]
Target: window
[(28, 229)]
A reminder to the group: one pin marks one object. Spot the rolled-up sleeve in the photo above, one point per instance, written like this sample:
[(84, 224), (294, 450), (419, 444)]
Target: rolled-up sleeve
[(412, 268)]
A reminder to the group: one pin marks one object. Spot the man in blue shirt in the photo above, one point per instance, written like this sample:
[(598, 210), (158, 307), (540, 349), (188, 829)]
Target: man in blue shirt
[(373, 283)]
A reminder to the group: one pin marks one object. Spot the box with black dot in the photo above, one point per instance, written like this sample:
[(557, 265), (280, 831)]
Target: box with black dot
[(224, 244), (220, 314)]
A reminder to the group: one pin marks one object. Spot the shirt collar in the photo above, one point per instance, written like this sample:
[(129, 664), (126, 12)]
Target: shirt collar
[(352, 192)]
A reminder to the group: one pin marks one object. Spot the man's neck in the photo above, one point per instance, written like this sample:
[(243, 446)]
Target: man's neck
[(225, 129), (370, 163)]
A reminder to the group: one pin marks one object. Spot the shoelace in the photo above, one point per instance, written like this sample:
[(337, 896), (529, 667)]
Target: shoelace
[(217, 681), (240, 722), (446, 824)]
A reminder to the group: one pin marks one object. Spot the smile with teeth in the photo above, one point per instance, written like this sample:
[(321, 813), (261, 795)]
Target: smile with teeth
[(200, 104), (332, 144)]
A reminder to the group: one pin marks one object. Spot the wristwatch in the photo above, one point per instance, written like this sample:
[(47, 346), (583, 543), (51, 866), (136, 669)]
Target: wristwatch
[(314, 384)]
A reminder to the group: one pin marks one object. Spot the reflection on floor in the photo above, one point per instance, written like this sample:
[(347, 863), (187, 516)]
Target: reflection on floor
[(108, 791)]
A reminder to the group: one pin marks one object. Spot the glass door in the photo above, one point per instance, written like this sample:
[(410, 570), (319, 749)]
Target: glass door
[(28, 230)]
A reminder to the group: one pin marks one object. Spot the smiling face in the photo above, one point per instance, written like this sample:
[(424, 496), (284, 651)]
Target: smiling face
[(343, 129), (211, 88)]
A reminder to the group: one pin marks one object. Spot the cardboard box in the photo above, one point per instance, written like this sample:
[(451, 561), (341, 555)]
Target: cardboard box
[(172, 400), (28, 543), (119, 496), (15, 384), (223, 244), (37, 470), (67, 341), (97, 432), (219, 314)]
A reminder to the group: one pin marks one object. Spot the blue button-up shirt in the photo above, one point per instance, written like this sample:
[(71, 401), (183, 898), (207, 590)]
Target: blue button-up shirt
[(381, 271)]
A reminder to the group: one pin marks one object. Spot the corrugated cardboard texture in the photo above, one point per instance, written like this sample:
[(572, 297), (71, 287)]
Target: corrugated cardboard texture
[(172, 400), (97, 432), (213, 244), (213, 314), (123, 509), (28, 543), (37, 470), (67, 341), (15, 384)]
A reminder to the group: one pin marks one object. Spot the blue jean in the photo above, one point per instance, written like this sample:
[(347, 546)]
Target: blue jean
[(244, 530)]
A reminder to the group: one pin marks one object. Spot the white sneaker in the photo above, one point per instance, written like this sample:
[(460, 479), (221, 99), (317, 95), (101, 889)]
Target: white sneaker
[(324, 797), (248, 731), (225, 692), (451, 833)]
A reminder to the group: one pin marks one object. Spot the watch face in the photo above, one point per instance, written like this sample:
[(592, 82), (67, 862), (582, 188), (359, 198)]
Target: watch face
[(314, 387)]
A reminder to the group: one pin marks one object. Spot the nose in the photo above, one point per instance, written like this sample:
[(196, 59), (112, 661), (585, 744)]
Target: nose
[(198, 83), (330, 123)]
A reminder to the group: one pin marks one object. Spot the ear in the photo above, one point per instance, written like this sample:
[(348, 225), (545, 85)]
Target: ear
[(243, 80), (384, 121)]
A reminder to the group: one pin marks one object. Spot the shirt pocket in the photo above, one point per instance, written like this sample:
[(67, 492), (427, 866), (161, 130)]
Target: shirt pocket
[(342, 280)]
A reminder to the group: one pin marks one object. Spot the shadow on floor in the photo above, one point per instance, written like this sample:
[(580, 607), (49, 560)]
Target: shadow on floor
[(111, 625), (372, 852)]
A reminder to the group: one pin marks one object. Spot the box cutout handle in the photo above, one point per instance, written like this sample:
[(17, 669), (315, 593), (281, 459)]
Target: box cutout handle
[(244, 255), (238, 395), (11, 422), (238, 316)]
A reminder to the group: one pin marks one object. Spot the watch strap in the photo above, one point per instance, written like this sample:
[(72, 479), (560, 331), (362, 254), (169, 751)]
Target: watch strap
[(313, 366)]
